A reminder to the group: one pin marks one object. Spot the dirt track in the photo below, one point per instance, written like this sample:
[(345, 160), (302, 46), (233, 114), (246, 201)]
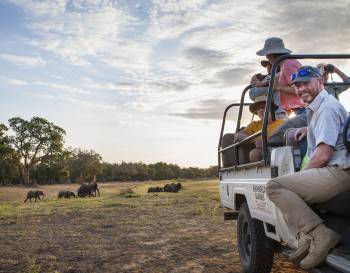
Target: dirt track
[(119, 232)]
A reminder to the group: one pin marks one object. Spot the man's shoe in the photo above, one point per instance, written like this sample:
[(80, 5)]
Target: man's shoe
[(304, 242), (323, 240)]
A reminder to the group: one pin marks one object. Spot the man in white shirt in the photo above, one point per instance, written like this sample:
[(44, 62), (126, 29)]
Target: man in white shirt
[(326, 174)]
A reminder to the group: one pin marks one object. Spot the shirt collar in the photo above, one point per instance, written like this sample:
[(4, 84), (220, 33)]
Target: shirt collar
[(316, 103)]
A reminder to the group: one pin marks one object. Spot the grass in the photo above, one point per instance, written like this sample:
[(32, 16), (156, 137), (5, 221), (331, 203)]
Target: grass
[(124, 230), (32, 266)]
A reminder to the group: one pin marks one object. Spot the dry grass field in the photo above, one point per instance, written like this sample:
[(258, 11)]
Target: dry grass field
[(119, 231)]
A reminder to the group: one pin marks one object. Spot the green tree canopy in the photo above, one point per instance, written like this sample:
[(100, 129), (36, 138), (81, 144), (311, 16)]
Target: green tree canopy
[(8, 159), (34, 141), (85, 165)]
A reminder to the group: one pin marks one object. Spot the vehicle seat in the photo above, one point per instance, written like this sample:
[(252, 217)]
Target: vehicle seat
[(228, 156), (338, 205)]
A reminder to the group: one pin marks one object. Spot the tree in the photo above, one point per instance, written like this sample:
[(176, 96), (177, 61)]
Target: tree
[(212, 171), (53, 170), (85, 165), (162, 171), (34, 141), (8, 167), (5, 148)]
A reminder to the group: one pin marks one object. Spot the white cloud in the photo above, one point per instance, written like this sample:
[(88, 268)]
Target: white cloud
[(16, 81), (79, 30), (88, 103), (49, 85), (42, 8), (44, 96), (63, 87), (23, 60)]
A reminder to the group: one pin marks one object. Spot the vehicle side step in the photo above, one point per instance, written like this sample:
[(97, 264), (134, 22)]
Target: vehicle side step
[(340, 261), (230, 215), (325, 267)]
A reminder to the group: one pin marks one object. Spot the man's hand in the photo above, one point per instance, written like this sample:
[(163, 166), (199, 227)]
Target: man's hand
[(300, 133), (320, 156), (254, 79)]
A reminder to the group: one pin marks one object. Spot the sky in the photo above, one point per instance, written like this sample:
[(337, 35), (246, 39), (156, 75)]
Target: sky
[(149, 80)]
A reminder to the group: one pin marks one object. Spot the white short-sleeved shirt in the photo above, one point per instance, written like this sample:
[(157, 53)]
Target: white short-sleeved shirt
[(326, 117)]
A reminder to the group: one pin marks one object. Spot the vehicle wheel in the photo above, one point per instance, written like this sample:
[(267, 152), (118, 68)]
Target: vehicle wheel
[(255, 249)]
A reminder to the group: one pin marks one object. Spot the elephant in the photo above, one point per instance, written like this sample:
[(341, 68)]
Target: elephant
[(34, 194)]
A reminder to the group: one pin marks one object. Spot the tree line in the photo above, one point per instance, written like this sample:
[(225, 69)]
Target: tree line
[(32, 151)]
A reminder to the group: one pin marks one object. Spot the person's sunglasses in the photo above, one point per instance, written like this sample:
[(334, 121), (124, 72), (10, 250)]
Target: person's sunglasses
[(303, 73)]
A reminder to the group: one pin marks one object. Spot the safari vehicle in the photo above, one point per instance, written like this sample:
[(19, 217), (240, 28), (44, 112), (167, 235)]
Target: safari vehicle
[(261, 228)]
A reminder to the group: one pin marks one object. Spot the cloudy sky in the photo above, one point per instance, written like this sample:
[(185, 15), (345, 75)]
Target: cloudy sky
[(149, 80)]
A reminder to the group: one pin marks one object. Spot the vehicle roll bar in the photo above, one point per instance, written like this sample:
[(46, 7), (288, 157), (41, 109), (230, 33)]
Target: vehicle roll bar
[(241, 105)]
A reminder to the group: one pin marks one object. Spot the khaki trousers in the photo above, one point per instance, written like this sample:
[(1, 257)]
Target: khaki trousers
[(290, 193)]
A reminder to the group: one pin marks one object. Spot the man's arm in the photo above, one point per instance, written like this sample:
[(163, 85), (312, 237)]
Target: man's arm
[(341, 88), (286, 89), (341, 74), (257, 91), (320, 157)]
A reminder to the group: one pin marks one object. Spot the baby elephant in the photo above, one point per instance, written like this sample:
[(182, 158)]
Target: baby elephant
[(35, 195), (66, 194)]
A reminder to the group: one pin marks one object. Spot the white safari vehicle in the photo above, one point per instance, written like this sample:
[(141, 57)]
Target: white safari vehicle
[(261, 228)]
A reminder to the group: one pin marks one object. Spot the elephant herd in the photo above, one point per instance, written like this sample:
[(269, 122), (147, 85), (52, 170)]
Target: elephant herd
[(92, 190), (167, 188), (85, 190)]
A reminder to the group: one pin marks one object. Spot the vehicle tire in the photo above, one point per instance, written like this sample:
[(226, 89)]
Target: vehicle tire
[(255, 249)]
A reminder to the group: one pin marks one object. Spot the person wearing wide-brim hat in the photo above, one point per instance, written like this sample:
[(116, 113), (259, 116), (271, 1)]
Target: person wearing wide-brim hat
[(273, 45), (260, 85), (273, 48), (260, 102), (258, 108)]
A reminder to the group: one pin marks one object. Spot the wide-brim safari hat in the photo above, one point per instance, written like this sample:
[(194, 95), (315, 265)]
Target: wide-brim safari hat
[(259, 101), (273, 45)]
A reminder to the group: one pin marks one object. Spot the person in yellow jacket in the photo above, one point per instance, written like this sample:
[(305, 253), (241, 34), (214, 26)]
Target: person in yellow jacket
[(258, 108)]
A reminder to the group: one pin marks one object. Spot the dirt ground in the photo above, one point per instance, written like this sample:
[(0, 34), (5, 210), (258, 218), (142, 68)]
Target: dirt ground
[(120, 231)]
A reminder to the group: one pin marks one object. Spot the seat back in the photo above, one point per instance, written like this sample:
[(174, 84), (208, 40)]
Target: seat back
[(228, 159)]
